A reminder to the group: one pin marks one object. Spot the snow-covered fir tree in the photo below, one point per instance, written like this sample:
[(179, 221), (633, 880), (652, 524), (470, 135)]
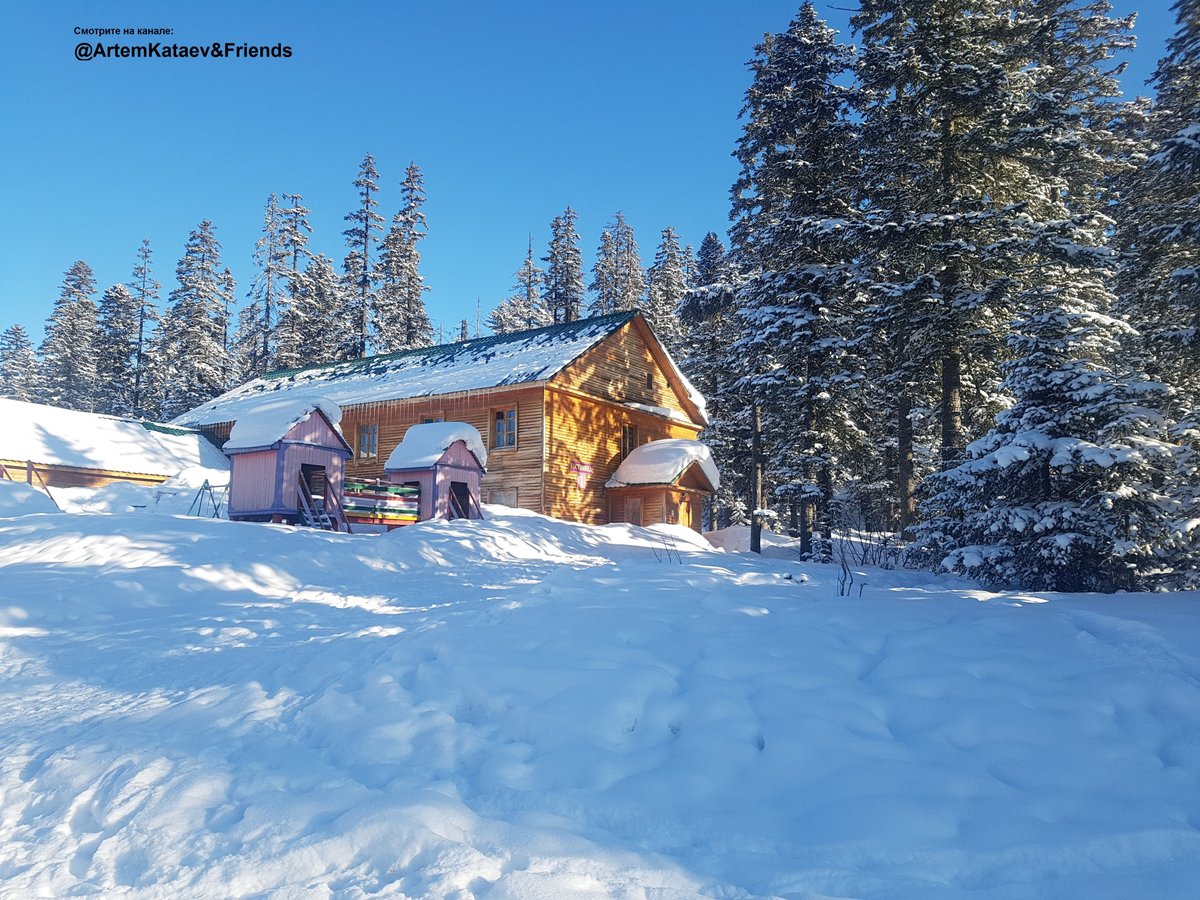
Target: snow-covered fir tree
[(970, 114), (116, 350), (711, 329), (563, 295), (796, 212), (618, 281), (293, 238), (1064, 492), (361, 275), (19, 370), (68, 361), (666, 285), (313, 314), (523, 308), (192, 348), (254, 344), (1160, 219), (1160, 284), (144, 288), (399, 318), (604, 276)]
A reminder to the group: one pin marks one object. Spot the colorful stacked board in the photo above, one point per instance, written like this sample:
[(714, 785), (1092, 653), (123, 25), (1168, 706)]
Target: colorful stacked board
[(380, 503)]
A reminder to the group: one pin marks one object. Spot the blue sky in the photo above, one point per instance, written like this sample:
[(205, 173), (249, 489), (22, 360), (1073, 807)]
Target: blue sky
[(513, 110)]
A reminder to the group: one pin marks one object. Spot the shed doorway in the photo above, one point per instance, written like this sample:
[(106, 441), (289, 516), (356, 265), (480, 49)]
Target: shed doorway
[(460, 500), (313, 480)]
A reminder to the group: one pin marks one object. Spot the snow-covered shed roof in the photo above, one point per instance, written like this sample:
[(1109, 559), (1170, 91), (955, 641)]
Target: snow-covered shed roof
[(486, 362), (663, 462), (423, 445), (67, 437), (269, 420)]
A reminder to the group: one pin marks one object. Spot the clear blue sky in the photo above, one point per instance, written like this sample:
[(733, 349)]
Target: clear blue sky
[(512, 109)]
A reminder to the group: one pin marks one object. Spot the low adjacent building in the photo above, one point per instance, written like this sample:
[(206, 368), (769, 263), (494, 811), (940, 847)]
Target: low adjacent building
[(48, 446)]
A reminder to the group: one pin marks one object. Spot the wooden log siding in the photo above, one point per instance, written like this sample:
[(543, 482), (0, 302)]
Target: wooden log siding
[(517, 467), (73, 476), (624, 369), (583, 429)]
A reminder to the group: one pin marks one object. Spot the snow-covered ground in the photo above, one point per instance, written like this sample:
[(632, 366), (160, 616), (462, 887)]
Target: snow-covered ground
[(525, 708)]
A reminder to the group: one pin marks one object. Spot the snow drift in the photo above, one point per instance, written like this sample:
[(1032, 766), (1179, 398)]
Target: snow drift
[(525, 708)]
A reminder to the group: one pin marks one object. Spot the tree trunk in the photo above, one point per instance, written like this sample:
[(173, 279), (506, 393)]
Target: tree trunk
[(905, 485), (756, 486), (951, 409)]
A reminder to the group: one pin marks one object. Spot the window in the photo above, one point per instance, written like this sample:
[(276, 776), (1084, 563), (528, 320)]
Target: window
[(429, 420), (649, 381), (368, 441), (504, 496), (629, 439), (504, 429)]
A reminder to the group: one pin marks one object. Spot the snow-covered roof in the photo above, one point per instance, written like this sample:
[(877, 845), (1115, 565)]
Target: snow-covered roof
[(67, 437), (269, 420), (662, 462), (423, 445), (495, 361)]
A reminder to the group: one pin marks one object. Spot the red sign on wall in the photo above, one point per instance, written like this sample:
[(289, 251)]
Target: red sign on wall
[(581, 470)]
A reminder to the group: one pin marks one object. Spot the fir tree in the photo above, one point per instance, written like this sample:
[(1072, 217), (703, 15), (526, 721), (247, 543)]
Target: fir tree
[(710, 331), (1062, 494), (523, 309), (19, 372), (1160, 282), (256, 337), (666, 286), (618, 281), (360, 271), (117, 350), (68, 356), (1001, 115), (293, 240), (1161, 221), (400, 319), (604, 276), (145, 292), (193, 346), (564, 269), (796, 213), (313, 314)]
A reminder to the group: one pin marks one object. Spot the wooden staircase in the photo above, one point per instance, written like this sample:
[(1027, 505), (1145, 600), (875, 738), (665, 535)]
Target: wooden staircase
[(315, 513)]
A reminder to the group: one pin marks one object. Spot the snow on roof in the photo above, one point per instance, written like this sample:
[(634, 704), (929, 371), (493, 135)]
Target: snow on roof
[(662, 462), (67, 437), (496, 361), (263, 423), (423, 445), (664, 412)]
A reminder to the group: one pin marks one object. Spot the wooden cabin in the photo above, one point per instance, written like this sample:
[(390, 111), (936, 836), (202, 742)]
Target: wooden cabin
[(559, 407), (663, 482), (287, 462), (445, 462), (47, 446)]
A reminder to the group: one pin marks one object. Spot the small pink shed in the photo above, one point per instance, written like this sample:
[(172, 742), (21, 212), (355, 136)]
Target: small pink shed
[(287, 463), (447, 461)]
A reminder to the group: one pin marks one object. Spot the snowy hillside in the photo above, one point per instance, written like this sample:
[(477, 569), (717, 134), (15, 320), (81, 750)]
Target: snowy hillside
[(525, 708)]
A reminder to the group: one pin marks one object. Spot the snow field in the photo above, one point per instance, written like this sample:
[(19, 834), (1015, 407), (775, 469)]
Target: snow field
[(526, 708)]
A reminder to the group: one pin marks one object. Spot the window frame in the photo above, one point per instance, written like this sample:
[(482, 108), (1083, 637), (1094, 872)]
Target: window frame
[(507, 415), (367, 443), (631, 438)]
